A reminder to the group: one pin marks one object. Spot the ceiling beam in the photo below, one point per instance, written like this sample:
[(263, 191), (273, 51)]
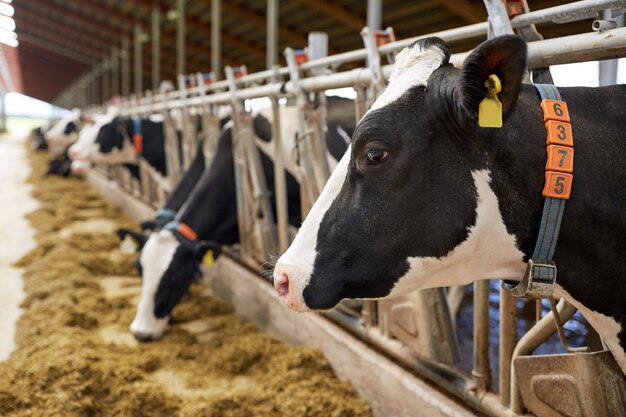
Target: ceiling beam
[(77, 35), (466, 10), (336, 13), (54, 13)]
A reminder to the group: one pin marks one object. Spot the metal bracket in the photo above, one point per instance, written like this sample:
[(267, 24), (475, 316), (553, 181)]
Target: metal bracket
[(372, 39), (538, 281)]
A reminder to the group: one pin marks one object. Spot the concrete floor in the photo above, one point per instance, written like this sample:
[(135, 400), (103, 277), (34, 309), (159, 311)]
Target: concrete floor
[(16, 235)]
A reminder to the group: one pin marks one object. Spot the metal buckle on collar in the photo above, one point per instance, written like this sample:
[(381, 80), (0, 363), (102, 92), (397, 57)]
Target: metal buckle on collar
[(538, 281)]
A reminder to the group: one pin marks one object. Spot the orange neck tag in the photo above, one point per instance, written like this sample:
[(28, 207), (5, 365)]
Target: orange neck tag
[(138, 143), (187, 231)]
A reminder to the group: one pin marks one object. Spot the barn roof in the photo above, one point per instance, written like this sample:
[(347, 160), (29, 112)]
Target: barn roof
[(62, 39)]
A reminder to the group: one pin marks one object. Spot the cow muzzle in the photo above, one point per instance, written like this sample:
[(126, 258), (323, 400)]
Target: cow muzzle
[(289, 283), (146, 332)]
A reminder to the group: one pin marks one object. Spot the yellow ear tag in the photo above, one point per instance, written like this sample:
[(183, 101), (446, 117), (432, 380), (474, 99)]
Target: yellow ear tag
[(490, 108), (208, 259)]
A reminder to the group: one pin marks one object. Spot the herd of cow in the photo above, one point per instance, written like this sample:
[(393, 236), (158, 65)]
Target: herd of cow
[(422, 197)]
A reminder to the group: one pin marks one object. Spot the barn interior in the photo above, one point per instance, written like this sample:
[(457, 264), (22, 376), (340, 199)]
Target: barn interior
[(73, 284)]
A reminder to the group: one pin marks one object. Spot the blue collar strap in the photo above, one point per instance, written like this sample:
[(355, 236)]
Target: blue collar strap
[(165, 213), (540, 276)]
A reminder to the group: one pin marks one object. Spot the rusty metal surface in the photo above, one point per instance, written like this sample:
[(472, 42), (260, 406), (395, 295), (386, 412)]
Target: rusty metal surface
[(576, 385)]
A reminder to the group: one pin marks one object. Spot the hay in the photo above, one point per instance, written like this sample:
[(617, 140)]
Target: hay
[(75, 356)]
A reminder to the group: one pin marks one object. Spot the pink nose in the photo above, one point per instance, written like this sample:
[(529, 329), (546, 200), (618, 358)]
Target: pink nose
[(282, 285), (72, 154)]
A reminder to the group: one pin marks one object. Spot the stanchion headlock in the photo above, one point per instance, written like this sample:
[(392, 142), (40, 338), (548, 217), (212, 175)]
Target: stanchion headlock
[(538, 281)]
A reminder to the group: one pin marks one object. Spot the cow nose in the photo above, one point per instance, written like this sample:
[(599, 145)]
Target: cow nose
[(282, 285), (143, 337), (72, 154)]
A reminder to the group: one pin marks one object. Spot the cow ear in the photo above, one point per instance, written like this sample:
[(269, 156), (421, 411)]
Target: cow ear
[(139, 238), (148, 225), (504, 56), (208, 251)]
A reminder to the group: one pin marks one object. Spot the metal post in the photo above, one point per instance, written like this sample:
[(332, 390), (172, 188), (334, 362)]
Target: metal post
[(3, 115), (272, 33), (156, 48), (106, 83), (180, 38), (480, 369), (508, 336), (608, 69), (138, 60), (282, 214), (115, 71), (125, 66), (216, 37), (375, 14)]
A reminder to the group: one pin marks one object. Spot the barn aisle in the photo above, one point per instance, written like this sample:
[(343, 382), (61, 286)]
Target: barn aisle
[(16, 235)]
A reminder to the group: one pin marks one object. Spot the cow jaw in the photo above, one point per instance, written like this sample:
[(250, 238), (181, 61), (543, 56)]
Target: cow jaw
[(489, 251), (297, 262), (155, 259)]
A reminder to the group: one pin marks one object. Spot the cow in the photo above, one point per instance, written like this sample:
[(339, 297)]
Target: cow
[(63, 133), (169, 261), (426, 198)]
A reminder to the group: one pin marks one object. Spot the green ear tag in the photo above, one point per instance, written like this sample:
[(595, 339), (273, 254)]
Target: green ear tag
[(490, 108), (208, 259)]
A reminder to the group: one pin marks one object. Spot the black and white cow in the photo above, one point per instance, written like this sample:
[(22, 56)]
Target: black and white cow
[(425, 198), (170, 262), (63, 133)]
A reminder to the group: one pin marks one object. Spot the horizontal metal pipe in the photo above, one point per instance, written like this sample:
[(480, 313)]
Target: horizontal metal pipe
[(567, 49)]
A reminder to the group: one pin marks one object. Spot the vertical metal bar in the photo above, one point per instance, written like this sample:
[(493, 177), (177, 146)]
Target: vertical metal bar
[(272, 33), (156, 48), (375, 14), (125, 66), (115, 71), (282, 215), (480, 369), (508, 337), (608, 69), (180, 38), (499, 23), (3, 114), (106, 83), (138, 60), (216, 38)]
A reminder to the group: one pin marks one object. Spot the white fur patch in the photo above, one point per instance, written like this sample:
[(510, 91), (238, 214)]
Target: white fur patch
[(155, 258), (298, 261), (412, 68), (83, 147), (606, 326), (58, 128), (488, 252)]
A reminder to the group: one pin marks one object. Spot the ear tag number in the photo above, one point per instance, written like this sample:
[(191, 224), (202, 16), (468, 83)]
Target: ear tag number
[(490, 108), (208, 259)]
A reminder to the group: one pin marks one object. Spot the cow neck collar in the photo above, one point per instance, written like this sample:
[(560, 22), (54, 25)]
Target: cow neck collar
[(540, 276), (137, 135)]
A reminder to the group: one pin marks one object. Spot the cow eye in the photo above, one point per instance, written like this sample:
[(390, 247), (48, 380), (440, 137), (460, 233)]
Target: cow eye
[(376, 156)]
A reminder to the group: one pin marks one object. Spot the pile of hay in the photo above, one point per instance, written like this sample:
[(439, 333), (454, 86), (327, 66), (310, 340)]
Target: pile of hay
[(75, 356)]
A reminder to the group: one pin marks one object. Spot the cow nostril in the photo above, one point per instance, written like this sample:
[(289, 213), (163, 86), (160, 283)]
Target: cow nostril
[(282, 285)]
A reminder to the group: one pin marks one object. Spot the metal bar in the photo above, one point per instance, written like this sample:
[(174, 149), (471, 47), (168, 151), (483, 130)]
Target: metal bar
[(480, 369), (106, 83), (574, 11), (180, 37), (375, 14), (508, 337), (272, 33), (115, 71), (138, 64), (499, 23), (280, 182), (156, 48), (216, 41), (567, 49), (125, 66)]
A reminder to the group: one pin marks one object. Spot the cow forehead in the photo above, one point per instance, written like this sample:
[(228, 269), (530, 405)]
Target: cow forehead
[(413, 67)]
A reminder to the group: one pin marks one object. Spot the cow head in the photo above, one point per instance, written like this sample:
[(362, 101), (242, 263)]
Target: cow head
[(168, 264), (410, 206)]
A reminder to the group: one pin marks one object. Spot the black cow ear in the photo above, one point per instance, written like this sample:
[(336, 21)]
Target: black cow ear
[(148, 225), (202, 250), (504, 56), (138, 237)]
